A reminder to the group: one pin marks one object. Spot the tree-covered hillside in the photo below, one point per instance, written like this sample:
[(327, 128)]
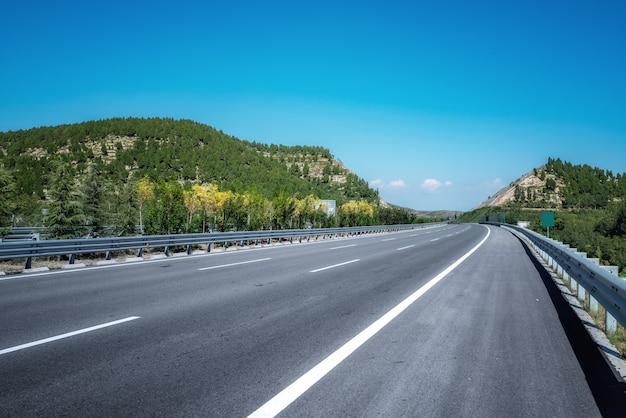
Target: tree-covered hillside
[(590, 217), (179, 150), (586, 186), (100, 167)]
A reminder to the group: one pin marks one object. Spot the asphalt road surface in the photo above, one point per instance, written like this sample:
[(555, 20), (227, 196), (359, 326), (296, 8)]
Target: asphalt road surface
[(441, 322)]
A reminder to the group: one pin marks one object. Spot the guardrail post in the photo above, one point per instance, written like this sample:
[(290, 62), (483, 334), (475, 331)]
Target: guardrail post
[(559, 270), (108, 255), (72, 258), (189, 249), (208, 247), (167, 251), (29, 263), (593, 304), (611, 323)]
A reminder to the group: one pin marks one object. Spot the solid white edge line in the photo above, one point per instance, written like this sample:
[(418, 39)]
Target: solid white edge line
[(335, 265), (67, 335), (292, 392), (233, 264)]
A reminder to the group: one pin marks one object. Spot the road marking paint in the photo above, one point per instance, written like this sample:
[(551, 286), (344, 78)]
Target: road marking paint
[(388, 239), (433, 240), (335, 265), (234, 264), (407, 247), (67, 335), (292, 392), (343, 246)]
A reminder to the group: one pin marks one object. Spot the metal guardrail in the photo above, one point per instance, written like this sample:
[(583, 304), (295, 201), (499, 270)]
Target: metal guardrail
[(609, 290), (74, 247), (22, 233)]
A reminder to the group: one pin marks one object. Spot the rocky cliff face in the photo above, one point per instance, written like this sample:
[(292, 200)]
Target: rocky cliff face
[(537, 188)]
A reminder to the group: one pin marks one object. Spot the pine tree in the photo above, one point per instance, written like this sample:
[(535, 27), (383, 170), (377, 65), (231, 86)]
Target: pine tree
[(7, 202), (95, 198), (66, 216)]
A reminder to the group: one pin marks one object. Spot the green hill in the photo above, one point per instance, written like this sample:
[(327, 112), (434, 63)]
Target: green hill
[(182, 150), (589, 205), (173, 155)]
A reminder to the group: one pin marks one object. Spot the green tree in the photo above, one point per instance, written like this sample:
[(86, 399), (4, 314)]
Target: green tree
[(96, 200), (166, 212), (620, 221), (145, 193), (66, 217), (284, 208), (7, 199), (126, 210)]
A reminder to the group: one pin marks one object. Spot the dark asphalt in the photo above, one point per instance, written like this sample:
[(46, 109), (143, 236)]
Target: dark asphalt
[(221, 334)]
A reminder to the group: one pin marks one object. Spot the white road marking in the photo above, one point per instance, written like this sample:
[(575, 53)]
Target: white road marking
[(335, 265), (404, 248), (388, 239), (343, 246), (234, 264), (67, 335), (433, 240), (292, 392)]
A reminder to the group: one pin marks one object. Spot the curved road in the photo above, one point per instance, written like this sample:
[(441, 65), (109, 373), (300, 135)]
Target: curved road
[(446, 321)]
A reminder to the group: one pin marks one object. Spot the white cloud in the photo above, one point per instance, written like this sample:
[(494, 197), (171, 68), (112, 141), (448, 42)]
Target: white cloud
[(392, 185), (432, 185), (495, 183), (377, 184), (397, 184)]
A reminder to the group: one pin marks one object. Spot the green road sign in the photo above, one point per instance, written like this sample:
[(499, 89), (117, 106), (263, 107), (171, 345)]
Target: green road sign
[(547, 219)]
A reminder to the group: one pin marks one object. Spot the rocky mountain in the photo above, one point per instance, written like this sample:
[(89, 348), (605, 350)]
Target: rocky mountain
[(537, 188), (562, 185)]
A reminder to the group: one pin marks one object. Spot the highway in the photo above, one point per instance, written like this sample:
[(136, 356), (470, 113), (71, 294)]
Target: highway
[(453, 320)]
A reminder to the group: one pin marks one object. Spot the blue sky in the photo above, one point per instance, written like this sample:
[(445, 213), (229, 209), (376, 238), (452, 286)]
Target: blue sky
[(438, 104)]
